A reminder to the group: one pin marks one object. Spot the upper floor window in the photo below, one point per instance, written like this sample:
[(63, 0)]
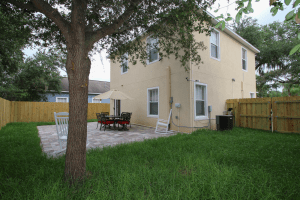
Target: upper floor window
[(62, 99), (215, 44), (153, 98), (200, 101), (124, 67), (244, 59), (252, 95), (153, 55)]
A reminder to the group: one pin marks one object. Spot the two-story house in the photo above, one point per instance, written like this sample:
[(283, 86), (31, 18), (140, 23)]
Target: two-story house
[(228, 72)]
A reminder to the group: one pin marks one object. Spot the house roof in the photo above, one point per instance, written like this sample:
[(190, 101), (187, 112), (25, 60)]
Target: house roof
[(234, 35), (95, 87)]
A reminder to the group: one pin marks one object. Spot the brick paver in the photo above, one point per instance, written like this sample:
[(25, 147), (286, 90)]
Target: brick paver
[(97, 138)]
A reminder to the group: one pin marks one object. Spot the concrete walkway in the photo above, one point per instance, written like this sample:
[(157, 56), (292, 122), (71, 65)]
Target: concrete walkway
[(97, 138)]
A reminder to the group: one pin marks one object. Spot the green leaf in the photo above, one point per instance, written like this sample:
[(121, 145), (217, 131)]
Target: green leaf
[(295, 49), (298, 12), (290, 15), (296, 3), (221, 16), (223, 25), (238, 16), (298, 36), (287, 2), (274, 11), (228, 19), (228, 14), (218, 24), (216, 10)]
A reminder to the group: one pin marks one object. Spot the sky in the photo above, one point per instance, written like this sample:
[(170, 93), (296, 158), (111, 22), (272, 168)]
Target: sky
[(101, 70)]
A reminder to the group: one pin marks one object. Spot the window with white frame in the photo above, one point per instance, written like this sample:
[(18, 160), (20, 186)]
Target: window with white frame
[(153, 55), (153, 98), (215, 44), (244, 59), (62, 99), (200, 101), (96, 100), (252, 95), (124, 67)]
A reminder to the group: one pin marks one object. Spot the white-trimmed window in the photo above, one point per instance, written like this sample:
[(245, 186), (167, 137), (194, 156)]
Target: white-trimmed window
[(153, 55), (152, 102), (124, 68), (200, 101), (215, 45), (252, 95), (62, 99), (244, 59), (96, 100)]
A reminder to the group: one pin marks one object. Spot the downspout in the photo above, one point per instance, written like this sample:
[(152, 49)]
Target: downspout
[(191, 96), (168, 71)]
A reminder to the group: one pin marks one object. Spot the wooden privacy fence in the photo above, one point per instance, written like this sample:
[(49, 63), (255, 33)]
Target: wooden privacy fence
[(21, 111), (280, 114)]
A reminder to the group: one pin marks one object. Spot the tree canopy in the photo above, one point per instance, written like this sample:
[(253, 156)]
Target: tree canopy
[(245, 7), (15, 34), (274, 41), (33, 79)]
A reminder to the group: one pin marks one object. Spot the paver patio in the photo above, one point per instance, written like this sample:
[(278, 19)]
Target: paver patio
[(97, 138)]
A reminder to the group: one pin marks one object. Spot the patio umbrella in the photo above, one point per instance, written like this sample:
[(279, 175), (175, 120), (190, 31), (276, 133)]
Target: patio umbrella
[(113, 94)]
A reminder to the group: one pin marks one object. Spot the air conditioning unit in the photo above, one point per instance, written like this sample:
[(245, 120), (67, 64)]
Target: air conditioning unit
[(224, 122)]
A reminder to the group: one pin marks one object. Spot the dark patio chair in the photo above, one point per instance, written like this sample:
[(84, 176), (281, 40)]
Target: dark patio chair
[(130, 117), (125, 120), (103, 120)]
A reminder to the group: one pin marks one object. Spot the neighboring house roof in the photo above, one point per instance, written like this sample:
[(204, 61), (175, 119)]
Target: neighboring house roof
[(95, 87)]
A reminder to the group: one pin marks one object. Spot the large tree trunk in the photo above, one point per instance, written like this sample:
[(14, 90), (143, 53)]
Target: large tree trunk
[(78, 68)]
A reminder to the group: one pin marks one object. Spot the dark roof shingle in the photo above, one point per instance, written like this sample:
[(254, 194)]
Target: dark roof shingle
[(94, 86)]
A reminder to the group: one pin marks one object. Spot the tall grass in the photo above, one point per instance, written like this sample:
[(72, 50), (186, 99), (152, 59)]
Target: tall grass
[(238, 164)]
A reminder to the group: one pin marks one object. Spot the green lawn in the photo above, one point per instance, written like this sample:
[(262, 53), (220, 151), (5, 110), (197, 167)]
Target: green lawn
[(238, 164)]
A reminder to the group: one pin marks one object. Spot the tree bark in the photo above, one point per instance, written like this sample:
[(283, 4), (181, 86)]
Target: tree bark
[(78, 69)]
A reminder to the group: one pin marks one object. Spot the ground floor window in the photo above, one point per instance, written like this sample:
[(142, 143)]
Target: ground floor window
[(152, 102), (200, 100), (62, 99), (96, 101)]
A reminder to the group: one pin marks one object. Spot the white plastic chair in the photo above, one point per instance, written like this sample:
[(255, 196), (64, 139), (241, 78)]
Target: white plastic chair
[(164, 125), (62, 127)]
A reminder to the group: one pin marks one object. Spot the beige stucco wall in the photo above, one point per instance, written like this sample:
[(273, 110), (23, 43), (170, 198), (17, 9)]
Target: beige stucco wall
[(139, 78), (216, 74)]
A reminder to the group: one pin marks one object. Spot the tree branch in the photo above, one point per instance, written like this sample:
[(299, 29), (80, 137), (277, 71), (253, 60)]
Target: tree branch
[(46, 9), (102, 32)]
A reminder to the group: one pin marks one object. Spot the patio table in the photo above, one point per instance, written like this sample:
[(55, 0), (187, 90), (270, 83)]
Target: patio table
[(113, 117)]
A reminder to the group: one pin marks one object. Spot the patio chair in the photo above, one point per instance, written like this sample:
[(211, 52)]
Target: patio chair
[(105, 121), (62, 125), (164, 124), (125, 120), (62, 128), (130, 117), (99, 117)]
